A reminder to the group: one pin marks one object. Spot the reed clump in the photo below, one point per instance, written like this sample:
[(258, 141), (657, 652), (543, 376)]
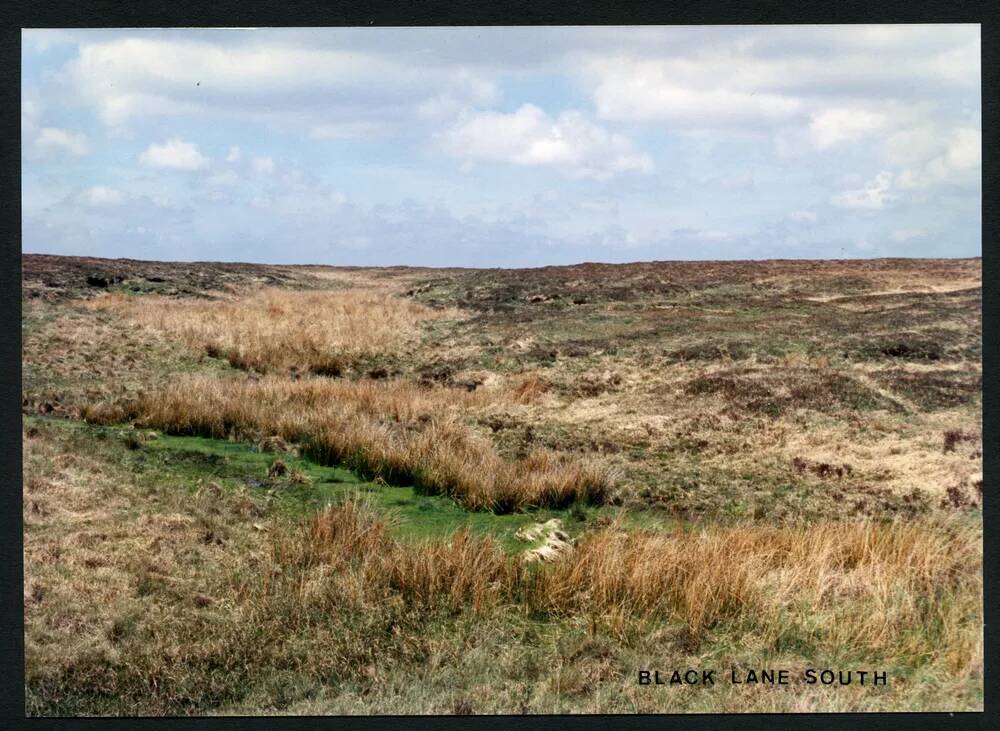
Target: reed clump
[(394, 430), (277, 330), (896, 590)]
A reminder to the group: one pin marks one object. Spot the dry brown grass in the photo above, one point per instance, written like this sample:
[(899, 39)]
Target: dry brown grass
[(106, 561), (130, 608), (894, 589), (906, 591), (529, 390), (394, 430), (465, 569), (142, 597), (283, 330), (875, 587)]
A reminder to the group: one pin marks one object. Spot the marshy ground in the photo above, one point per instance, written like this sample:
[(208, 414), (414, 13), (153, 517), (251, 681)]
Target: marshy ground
[(263, 489)]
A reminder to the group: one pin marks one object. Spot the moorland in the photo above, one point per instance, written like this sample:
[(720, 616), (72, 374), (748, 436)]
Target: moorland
[(312, 490)]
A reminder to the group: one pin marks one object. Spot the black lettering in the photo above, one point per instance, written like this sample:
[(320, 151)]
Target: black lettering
[(706, 677), (810, 677), (689, 679), (675, 679), (861, 676), (733, 677), (751, 676), (658, 681), (783, 677), (881, 678), (826, 677), (767, 676), (644, 677)]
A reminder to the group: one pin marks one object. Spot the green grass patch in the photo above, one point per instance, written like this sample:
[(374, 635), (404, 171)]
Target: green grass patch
[(189, 462)]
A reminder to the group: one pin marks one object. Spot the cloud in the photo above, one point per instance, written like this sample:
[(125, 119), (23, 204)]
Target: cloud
[(838, 84), (683, 93), (101, 195), (263, 165), (440, 107), (174, 154), (30, 112), (529, 137), (834, 126), (48, 141), (710, 106), (965, 151), (960, 163), (52, 139), (223, 178), (913, 145), (875, 194), (243, 76)]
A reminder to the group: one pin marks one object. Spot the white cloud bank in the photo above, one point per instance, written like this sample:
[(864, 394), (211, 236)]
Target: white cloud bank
[(834, 126), (263, 165), (960, 162), (102, 195), (875, 194), (174, 154), (52, 139), (529, 136), (683, 93), (329, 90)]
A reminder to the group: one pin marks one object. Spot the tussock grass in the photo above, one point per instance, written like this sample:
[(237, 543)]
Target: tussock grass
[(892, 588), (901, 591), (529, 390), (465, 569), (394, 430), (131, 609), (285, 330), (907, 591)]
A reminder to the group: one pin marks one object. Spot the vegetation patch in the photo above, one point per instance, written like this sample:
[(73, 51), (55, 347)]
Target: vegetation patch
[(774, 392), (902, 347), (211, 601), (284, 331), (392, 431), (710, 351), (253, 489), (941, 389)]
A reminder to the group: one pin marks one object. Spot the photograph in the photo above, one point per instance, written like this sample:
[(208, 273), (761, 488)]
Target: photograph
[(500, 370)]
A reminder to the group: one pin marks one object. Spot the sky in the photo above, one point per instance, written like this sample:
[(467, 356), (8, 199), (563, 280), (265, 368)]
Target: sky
[(502, 147)]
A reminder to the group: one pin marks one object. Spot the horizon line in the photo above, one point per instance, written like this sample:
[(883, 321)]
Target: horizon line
[(540, 266)]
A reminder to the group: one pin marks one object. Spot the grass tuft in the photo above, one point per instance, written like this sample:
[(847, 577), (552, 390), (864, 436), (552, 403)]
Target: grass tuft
[(284, 331), (395, 431)]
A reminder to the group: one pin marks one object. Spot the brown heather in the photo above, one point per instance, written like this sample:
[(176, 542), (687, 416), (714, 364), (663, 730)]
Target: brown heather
[(837, 403), (282, 330), (394, 430)]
